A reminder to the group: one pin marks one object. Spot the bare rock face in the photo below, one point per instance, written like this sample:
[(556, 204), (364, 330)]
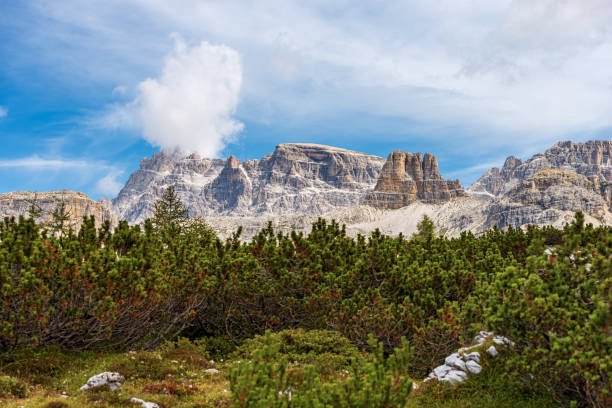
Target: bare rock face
[(545, 196), (76, 204), (295, 179), (406, 178), (590, 159), (495, 181), (189, 175), (232, 189)]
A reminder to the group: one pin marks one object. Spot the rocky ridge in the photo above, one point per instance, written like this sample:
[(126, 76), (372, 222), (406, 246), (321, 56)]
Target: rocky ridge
[(77, 205), (547, 196), (298, 183), (294, 179), (592, 159), (305, 179)]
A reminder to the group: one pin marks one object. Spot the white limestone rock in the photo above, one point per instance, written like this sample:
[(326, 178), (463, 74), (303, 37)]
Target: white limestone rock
[(473, 367), (459, 366), (107, 379), (455, 361), (143, 403), (473, 356), (455, 377)]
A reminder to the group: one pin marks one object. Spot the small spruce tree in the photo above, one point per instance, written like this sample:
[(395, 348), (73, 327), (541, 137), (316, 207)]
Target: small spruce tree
[(34, 211), (425, 229), (169, 214)]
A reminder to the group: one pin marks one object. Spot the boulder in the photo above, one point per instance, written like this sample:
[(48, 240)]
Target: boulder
[(109, 380)]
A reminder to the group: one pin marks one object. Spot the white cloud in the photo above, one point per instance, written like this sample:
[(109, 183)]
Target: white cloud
[(36, 162), (521, 72), (116, 116), (190, 106), (119, 90), (3, 111), (109, 185)]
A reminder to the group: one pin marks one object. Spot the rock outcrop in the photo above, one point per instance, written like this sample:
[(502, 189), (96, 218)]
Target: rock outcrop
[(495, 181), (143, 403), (406, 178), (306, 179), (546, 196), (76, 205), (297, 183), (467, 361), (592, 159)]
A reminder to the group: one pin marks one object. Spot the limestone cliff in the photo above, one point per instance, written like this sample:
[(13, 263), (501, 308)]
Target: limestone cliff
[(406, 178), (76, 205), (590, 159), (546, 196), (294, 179)]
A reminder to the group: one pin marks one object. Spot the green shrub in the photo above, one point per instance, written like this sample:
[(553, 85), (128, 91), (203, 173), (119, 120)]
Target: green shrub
[(326, 350), (13, 387), (139, 286), (558, 311), (270, 380)]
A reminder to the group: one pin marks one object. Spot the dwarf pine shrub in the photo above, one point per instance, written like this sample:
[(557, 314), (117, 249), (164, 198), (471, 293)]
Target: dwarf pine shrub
[(269, 379), (136, 287)]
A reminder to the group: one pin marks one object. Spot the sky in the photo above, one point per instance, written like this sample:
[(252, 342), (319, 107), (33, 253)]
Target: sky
[(88, 88)]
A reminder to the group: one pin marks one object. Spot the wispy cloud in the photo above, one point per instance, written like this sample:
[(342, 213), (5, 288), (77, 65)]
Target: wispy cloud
[(3, 111), (109, 184), (36, 162), (473, 172)]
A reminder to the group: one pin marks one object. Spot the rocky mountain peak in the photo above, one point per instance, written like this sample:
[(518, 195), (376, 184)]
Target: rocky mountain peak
[(590, 159), (510, 164), (232, 163), (406, 178), (295, 178)]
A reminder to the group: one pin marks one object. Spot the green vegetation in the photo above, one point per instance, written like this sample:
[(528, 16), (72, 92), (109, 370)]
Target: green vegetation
[(336, 309), (267, 381)]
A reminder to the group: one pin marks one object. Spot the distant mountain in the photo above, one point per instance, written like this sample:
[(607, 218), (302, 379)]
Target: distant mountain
[(76, 205), (295, 179), (297, 183), (592, 159)]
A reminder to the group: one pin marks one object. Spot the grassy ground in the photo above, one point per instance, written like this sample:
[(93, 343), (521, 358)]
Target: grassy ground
[(175, 377)]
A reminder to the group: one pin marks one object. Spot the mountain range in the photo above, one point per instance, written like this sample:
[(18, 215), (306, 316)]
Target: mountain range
[(297, 183)]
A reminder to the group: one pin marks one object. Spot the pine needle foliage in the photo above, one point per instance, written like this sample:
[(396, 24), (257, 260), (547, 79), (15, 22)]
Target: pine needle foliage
[(169, 214)]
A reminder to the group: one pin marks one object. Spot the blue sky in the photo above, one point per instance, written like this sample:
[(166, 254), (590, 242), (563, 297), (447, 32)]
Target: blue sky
[(88, 88)]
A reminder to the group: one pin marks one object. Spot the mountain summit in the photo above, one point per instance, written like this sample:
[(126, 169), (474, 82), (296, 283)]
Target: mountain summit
[(297, 178)]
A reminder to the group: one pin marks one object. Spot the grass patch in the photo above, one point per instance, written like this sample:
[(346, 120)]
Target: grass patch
[(174, 376)]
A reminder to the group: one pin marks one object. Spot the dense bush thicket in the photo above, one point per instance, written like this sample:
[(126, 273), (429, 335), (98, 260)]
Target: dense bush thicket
[(549, 290)]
